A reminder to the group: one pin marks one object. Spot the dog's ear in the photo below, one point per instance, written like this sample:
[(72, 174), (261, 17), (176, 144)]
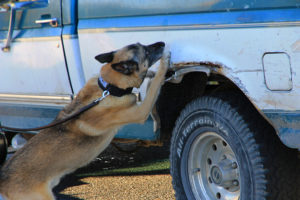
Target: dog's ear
[(105, 57), (124, 68)]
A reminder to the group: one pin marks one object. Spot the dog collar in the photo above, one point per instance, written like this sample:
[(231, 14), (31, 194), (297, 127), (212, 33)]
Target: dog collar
[(113, 90)]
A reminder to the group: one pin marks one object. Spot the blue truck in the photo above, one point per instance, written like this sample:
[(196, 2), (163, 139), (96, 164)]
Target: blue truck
[(230, 108)]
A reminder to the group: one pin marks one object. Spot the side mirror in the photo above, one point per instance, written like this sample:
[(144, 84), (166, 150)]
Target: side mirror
[(17, 5)]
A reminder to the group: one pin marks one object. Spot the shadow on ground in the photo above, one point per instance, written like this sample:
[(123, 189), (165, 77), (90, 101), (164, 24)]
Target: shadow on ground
[(112, 162)]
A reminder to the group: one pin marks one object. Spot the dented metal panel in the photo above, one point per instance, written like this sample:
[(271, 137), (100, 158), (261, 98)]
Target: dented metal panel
[(240, 57), (235, 51)]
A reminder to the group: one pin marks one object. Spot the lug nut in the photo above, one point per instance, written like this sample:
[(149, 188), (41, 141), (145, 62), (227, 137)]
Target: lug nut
[(196, 170), (234, 165), (235, 183)]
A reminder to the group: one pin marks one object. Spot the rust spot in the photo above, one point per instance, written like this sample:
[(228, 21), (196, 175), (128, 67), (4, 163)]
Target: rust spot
[(216, 67), (296, 46)]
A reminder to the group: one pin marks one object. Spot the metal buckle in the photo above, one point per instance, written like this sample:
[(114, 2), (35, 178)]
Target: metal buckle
[(104, 94)]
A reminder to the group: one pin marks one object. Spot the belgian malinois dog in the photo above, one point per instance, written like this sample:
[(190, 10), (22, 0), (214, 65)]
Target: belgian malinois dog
[(36, 168)]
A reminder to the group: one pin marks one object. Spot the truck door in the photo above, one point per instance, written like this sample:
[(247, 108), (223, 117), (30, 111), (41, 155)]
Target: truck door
[(94, 39), (32, 63)]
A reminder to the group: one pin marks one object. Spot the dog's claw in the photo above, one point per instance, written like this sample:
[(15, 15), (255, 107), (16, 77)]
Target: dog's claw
[(166, 59), (167, 54)]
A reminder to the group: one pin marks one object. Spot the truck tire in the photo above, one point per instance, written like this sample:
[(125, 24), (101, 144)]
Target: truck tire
[(3, 148), (220, 150)]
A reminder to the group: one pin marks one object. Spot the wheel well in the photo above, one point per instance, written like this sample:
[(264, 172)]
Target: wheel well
[(174, 97)]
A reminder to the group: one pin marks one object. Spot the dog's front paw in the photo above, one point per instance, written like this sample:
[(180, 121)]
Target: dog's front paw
[(165, 60)]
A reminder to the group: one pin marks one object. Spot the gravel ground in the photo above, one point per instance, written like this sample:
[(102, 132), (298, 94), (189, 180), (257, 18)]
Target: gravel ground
[(121, 187), (153, 185)]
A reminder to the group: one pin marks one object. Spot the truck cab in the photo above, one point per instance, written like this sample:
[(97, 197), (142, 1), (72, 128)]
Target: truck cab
[(229, 108)]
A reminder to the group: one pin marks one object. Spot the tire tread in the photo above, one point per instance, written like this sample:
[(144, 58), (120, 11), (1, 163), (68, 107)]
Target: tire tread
[(271, 161)]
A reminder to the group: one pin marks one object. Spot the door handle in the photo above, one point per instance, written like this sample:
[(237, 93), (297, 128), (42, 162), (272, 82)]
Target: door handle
[(53, 22)]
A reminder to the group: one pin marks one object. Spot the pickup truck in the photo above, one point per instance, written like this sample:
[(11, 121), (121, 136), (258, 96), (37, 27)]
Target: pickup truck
[(230, 108)]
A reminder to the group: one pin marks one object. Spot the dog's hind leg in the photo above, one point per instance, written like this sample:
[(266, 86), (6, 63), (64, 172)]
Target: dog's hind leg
[(42, 192), (45, 191)]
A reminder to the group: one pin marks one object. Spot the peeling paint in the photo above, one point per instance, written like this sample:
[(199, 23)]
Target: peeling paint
[(242, 86), (195, 63), (214, 66), (181, 69), (218, 68)]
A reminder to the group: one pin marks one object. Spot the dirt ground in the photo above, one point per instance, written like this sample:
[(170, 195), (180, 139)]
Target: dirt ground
[(152, 185)]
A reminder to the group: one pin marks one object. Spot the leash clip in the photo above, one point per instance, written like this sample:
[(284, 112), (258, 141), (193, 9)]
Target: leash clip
[(104, 94)]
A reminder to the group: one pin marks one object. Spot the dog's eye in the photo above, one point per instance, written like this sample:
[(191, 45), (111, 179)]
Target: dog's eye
[(125, 67), (132, 63)]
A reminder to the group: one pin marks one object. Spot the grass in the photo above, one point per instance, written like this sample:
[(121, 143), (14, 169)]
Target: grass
[(154, 167)]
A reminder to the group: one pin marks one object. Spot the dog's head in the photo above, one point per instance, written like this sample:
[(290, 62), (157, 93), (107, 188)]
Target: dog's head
[(127, 67)]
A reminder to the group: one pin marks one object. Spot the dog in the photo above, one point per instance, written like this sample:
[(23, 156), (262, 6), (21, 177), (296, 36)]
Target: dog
[(36, 168)]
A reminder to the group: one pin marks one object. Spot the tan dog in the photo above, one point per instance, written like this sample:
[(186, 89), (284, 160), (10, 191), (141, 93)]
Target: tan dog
[(36, 168)]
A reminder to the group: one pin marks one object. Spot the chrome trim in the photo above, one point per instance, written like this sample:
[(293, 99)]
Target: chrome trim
[(35, 39), (35, 99), (189, 27), (73, 36), (53, 22)]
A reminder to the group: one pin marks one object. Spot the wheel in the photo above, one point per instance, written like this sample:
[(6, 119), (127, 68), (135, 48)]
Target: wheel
[(218, 153), (3, 148)]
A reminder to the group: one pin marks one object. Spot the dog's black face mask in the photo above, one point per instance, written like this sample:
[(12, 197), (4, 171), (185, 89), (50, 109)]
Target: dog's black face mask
[(134, 55)]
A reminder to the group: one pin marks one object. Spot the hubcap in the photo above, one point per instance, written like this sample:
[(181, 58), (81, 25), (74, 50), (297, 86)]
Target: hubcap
[(216, 175), (213, 169)]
